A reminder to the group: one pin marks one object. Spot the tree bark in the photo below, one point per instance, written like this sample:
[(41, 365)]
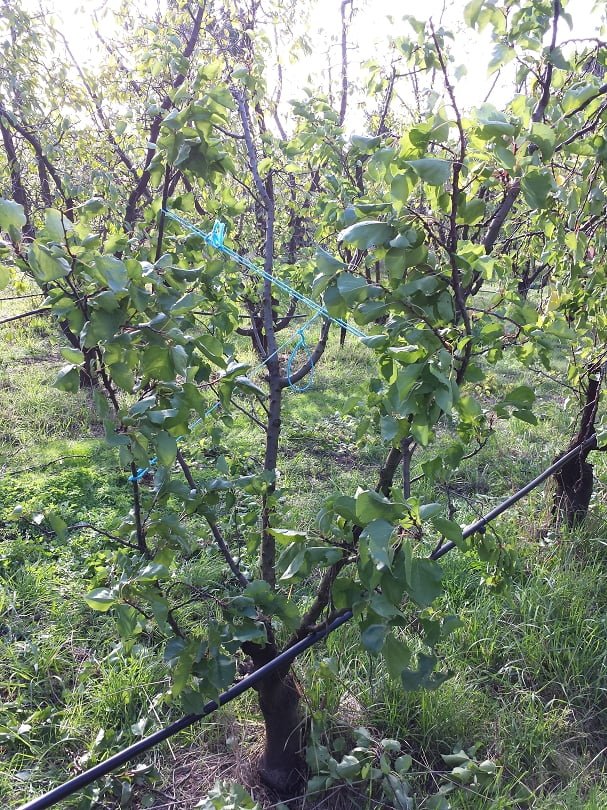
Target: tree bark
[(388, 471), (282, 766), (575, 481)]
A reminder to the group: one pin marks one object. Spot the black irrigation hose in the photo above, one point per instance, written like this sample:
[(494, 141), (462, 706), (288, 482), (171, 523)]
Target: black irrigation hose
[(481, 523), (122, 757)]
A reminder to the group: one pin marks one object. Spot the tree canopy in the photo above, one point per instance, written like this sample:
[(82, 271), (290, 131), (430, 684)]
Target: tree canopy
[(450, 237)]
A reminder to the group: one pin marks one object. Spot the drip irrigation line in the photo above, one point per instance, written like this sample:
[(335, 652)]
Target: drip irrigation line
[(479, 525), (122, 757)]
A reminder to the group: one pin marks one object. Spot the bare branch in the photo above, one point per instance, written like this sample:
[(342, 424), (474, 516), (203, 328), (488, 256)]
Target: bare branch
[(141, 543), (17, 188), (452, 241)]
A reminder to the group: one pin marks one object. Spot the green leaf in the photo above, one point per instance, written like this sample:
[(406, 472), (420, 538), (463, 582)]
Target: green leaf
[(402, 764), (68, 379), (428, 510), (212, 348), (577, 96), (123, 376), (421, 430), (58, 525), (543, 136), (365, 144), (334, 302), (471, 212), (493, 123), (45, 265), (166, 447), (294, 566), (327, 266), (349, 767), (250, 387), (378, 533), (113, 271), (56, 225), (400, 188), (100, 599), (468, 407), (286, 536), (373, 637), (93, 206), (557, 58), (396, 655), (180, 359), (152, 571), (449, 528), (505, 157), (345, 506), (375, 341), (525, 415), (423, 676), (11, 215), (351, 288), (5, 276), (74, 356), (536, 186), (521, 395), (366, 234), (174, 647), (453, 760), (389, 427), (382, 606), (502, 54), (101, 326), (370, 505), (471, 12), (433, 171), (424, 581)]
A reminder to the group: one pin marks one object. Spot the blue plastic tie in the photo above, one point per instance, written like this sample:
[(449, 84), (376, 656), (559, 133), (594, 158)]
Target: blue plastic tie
[(301, 345), (215, 239), (142, 471), (217, 234)]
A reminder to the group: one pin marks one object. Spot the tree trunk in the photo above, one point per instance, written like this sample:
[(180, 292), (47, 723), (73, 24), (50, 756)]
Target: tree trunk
[(268, 544), (388, 471), (575, 481), (574, 485), (282, 766)]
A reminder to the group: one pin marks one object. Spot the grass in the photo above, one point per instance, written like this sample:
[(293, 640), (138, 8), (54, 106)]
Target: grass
[(529, 684)]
